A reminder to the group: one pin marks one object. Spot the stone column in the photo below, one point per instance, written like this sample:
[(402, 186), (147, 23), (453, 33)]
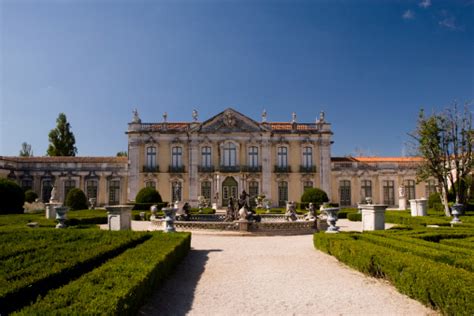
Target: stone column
[(193, 171), (325, 164), (266, 169), (134, 169)]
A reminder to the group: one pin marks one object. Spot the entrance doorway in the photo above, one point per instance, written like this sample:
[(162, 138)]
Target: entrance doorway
[(229, 189)]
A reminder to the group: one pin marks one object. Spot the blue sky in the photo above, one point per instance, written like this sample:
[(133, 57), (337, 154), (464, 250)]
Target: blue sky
[(370, 65)]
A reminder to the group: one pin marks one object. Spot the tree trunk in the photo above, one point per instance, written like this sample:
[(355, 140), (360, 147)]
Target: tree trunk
[(444, 200)]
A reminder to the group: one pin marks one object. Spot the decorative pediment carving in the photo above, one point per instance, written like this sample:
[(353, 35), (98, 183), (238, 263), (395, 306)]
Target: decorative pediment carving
[(230, 121)]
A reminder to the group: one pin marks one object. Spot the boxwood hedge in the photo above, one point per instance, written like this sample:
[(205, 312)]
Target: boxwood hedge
[(120, 286), (434, 283)]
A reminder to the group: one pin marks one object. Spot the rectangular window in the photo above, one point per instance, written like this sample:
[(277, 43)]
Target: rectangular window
[(410, 189), (307, 157), (206, 189), (150, 184), (388, 188), (176, 191), (68, 185), (430, 187), (345, 192), (253, 156), (114, 192), (177, 153), (26, 184), (365, 189), (253, 192), (307, 185), (91, 189), (230, 155), (282, 157), (282, 192), (206, 156), (46, 190), (151, 157)]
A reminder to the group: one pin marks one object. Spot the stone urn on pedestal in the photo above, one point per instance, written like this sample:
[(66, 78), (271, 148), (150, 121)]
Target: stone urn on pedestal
[(61, 216), (456, 210), (170, 213), (331, 213), (153, 210)]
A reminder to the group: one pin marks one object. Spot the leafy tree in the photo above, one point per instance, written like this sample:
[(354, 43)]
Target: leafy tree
[(26, 150), (122, 154), (314, 195), (62, 141), (446, 142)]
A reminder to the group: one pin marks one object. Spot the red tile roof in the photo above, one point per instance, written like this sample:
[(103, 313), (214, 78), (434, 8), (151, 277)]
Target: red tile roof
[(63, 159), (378, 159)]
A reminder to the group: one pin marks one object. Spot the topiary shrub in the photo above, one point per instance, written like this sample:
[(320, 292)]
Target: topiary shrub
[(315, 196), (12, 197), (76, 200), (148, 195), (30, 196), (354, 217)]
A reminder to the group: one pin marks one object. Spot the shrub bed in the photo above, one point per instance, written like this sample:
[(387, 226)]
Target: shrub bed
[(433, 283), (121, 285), (29, 271), (354, 217), (76, 200), (12, 197), (345, 211)]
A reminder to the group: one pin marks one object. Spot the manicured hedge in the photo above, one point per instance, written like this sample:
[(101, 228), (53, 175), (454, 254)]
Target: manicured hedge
[(433, 283), (146, 206), (466, 243), (120, 286), (343, 213), (354, 217), (27, 271), (12, 197), (76, 200)]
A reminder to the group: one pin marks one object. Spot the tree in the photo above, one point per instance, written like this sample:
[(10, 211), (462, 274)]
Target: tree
[(122, 154), (26, 150), (314, 195), (62, 141), (445, 141)]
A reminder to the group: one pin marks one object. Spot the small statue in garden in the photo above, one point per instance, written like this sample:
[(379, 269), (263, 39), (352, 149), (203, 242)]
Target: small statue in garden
[(290, 214), (52, 199), (186, 214), (311, 215), (230, 214)]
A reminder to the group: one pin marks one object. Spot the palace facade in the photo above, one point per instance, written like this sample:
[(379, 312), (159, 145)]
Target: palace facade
[(218, 158)]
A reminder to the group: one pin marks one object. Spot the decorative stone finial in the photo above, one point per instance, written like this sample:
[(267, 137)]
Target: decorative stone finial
[(195, 115), (136, 118), (293, 117), (264, 116), (321, 116), (165, 117)]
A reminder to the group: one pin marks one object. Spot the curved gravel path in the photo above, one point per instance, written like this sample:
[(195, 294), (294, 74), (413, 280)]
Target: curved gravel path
[(280, 275)]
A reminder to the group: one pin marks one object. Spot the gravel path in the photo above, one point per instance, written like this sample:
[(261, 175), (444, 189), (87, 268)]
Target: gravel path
[(281, 275)]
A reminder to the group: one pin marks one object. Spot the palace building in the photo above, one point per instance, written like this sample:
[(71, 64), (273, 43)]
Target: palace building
[(218, 158)]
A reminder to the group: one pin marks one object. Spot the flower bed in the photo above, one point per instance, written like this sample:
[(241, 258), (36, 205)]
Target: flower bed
[(121, 285)]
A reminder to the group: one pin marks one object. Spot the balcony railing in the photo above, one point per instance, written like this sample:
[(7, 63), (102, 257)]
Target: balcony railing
[(229, 168), (151, 169), (176, 169), (204, 169), (307, 169), (282, 169), (251, 168)]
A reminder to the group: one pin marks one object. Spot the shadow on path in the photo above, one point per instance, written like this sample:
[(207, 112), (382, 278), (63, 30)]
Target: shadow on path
[(175, 296)]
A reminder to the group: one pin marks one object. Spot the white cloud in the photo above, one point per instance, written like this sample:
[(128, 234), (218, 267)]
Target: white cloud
[(449, 22), (408, 15), (425, 3)]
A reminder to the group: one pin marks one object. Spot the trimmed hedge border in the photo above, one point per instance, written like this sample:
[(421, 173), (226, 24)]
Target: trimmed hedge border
[(121, 285), (435, 284), (354, 217), (30, 272)]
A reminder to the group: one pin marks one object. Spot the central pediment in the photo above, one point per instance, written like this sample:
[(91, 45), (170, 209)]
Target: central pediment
[(230, 121)]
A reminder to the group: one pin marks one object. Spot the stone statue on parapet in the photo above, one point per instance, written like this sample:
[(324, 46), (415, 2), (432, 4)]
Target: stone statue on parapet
[(311, 215), (290, 214)]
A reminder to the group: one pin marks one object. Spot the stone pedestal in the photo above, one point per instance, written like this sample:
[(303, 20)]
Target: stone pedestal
[(418, 207), (373, 217), (243, 225), (119, 217), (402, 204), (170, 214), (50, 211), (456, 210)]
